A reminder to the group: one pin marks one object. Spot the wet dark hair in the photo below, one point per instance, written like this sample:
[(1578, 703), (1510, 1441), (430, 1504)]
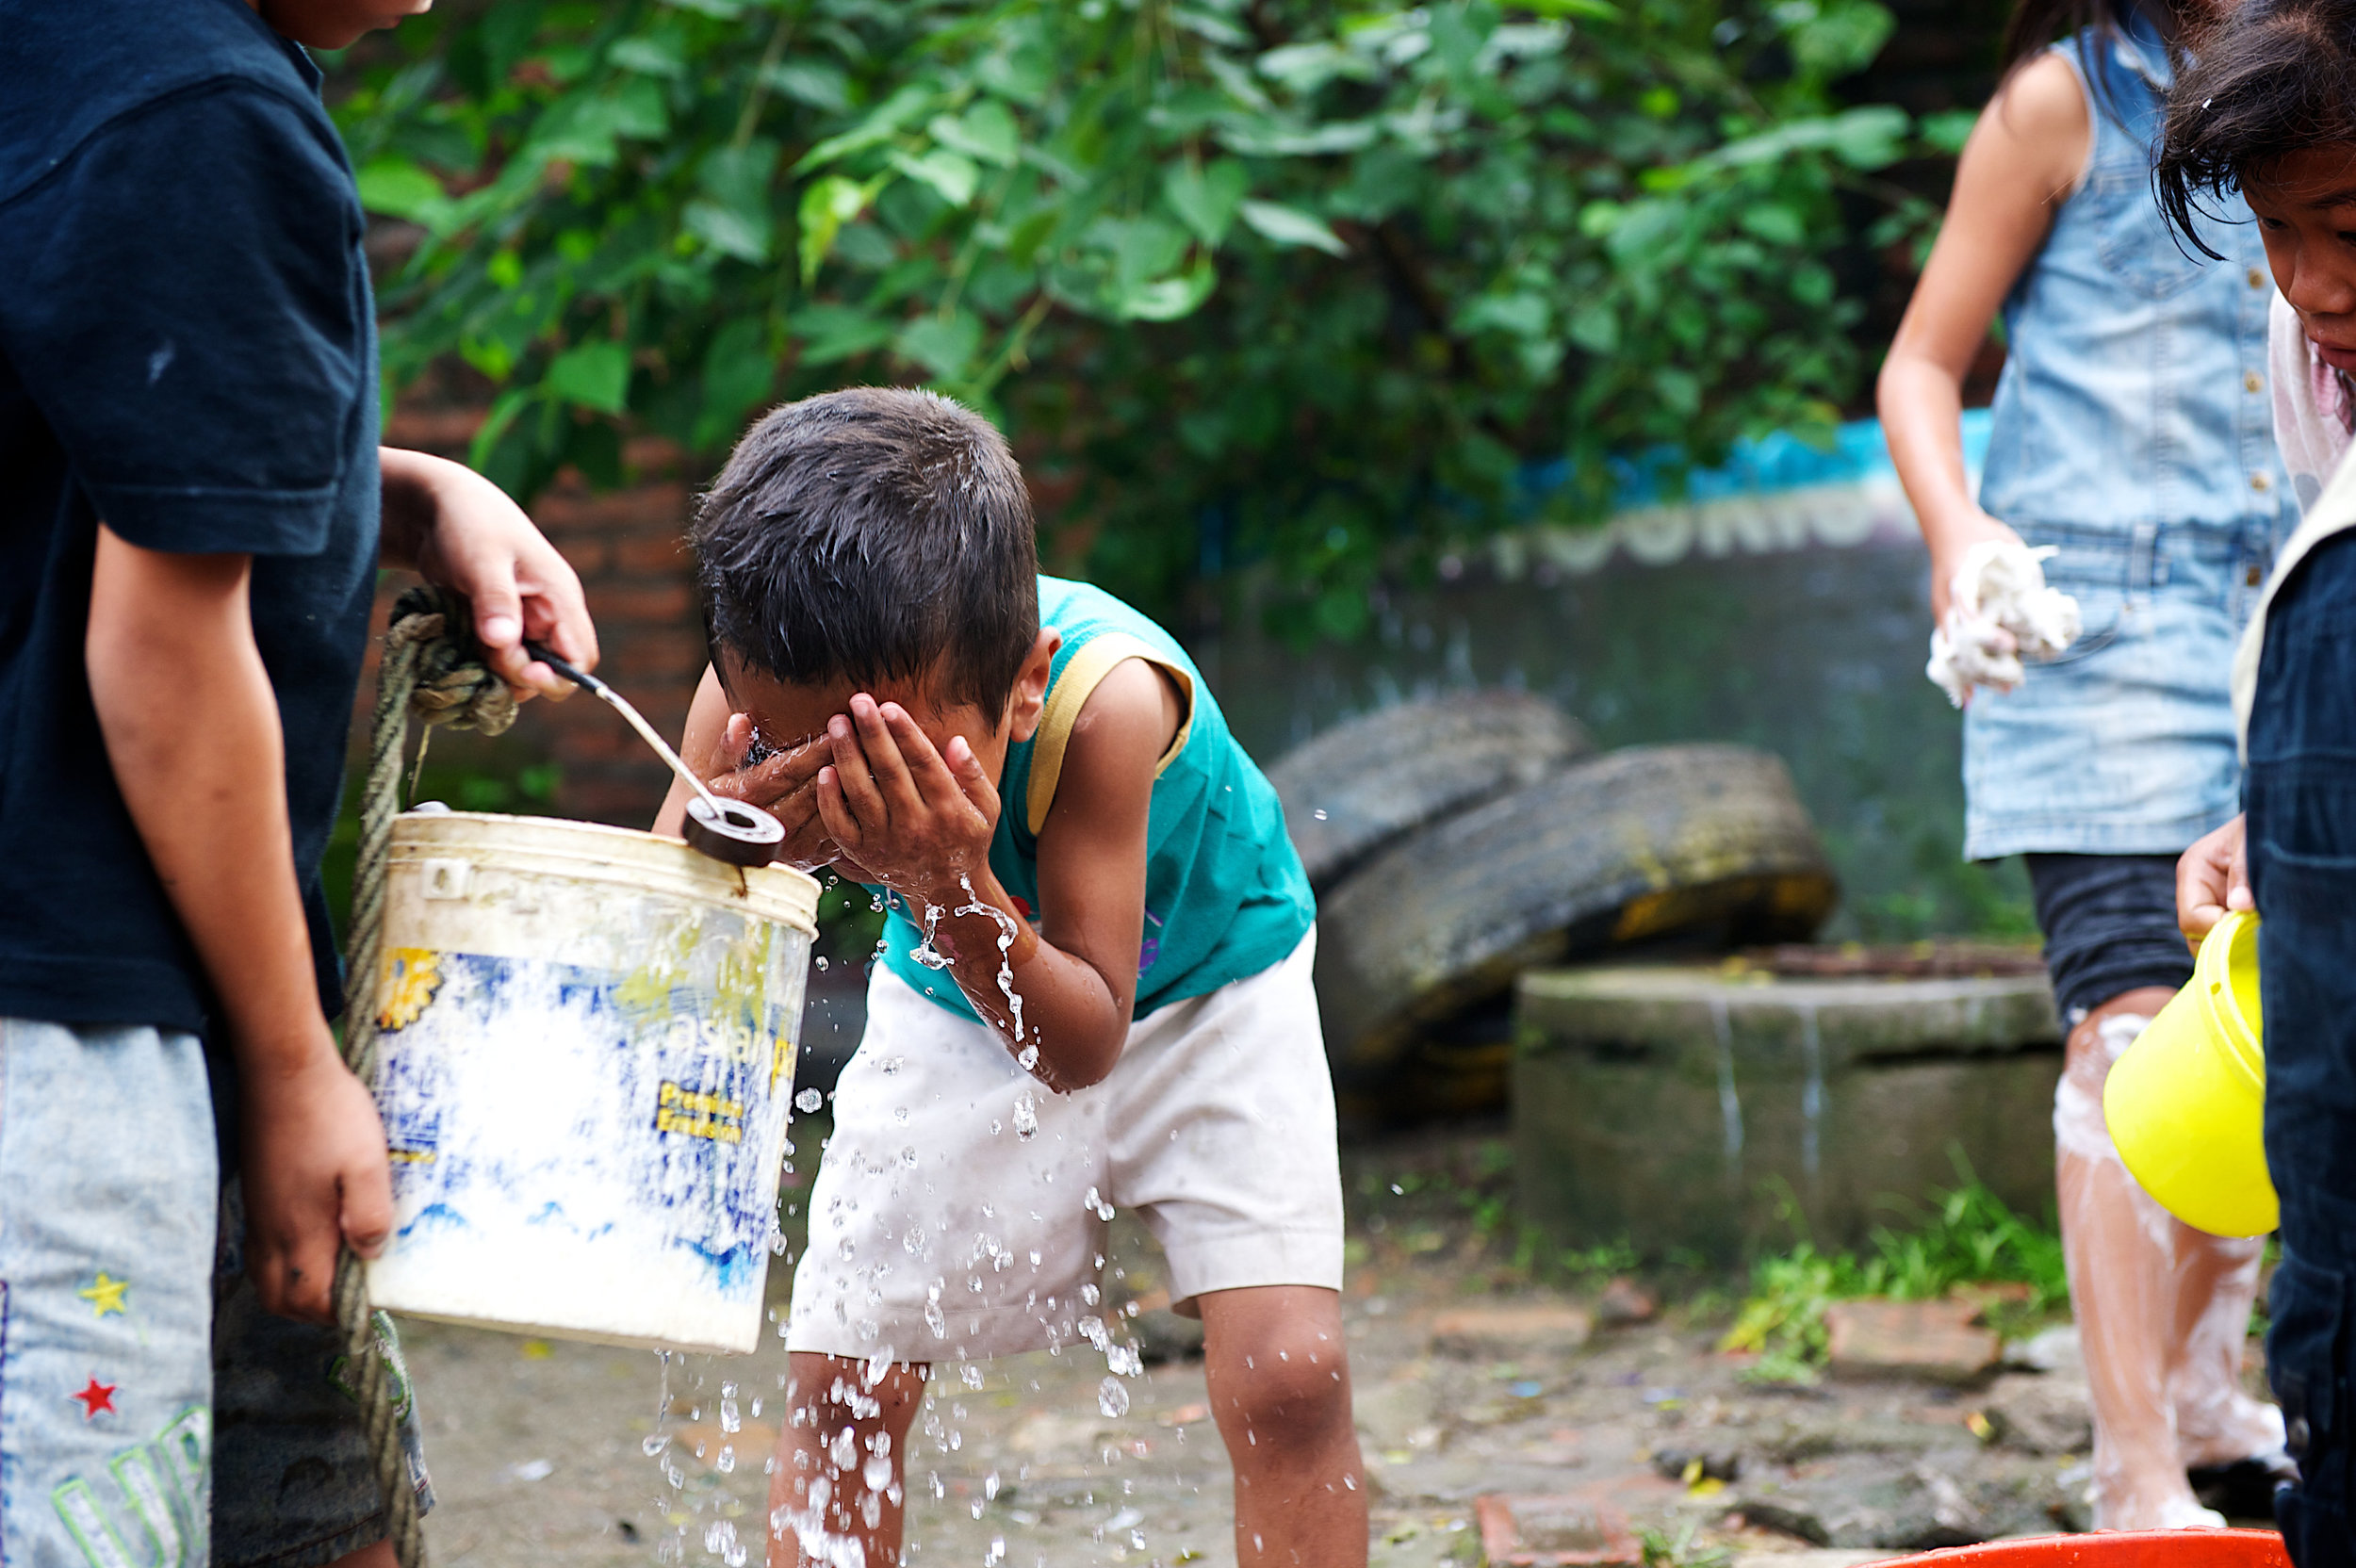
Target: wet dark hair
[(2270, 78), (2035, 24), (873, 534)]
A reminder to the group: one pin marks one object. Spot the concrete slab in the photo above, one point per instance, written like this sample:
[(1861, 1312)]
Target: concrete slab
[(1705, 1107)]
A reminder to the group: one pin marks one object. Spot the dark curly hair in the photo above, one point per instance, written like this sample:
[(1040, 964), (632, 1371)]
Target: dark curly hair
[(2271, 77)]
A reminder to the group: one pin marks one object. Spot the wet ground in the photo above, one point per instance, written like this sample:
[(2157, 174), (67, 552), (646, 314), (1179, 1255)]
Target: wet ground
[(1477, 1371)]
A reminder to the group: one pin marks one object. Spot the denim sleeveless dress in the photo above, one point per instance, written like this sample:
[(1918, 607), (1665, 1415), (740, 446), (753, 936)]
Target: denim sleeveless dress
[(2133, 429)]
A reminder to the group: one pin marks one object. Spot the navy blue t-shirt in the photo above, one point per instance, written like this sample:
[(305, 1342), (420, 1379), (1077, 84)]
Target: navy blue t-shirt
[(187, 350)]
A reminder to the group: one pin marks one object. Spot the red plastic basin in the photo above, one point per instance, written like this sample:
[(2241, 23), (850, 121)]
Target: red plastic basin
[(2122, 1549)]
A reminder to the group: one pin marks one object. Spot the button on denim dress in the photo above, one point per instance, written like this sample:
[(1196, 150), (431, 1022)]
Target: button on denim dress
[(2131, 428)]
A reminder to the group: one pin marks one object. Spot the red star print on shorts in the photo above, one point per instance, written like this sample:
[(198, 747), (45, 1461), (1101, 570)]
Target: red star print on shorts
[(96, 1397)]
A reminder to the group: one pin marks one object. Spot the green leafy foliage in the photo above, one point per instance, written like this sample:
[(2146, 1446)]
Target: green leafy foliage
[(1969, 1237), (1308, 282)]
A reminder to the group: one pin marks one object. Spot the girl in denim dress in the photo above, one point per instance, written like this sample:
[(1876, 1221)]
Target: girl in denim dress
[(2133, 431)]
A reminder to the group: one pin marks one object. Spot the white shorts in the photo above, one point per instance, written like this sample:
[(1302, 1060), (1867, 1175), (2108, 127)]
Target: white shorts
[(940, 1229)]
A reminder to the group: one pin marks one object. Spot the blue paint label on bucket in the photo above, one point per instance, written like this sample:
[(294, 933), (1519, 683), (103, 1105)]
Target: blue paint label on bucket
[(617, 1117)]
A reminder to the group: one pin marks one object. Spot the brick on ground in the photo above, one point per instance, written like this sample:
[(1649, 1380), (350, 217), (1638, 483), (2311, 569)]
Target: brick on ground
[(1933, 1341), (1555, 1532), (1504, 1332)]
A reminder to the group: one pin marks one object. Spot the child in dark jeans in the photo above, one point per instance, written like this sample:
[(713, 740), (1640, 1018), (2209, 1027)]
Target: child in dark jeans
[(2269, 110), (190, 499)]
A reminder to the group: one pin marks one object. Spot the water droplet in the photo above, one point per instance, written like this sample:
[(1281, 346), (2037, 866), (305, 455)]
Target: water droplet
[(1319, 813), (1112, 1397), (876, 1473), (655, 1445), (821, 962), (808, 1101), (936, 1320), (971, 1376), (1026, 1115)]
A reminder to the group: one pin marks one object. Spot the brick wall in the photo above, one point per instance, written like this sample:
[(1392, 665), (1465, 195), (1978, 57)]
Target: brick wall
[(627, 546)]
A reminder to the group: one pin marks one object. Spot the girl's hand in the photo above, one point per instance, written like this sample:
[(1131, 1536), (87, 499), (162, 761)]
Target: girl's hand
[(920, 823), (2211, 877), (1949, 542)]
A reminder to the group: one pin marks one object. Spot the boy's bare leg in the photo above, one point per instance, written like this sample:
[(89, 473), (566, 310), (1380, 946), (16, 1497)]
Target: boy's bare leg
[(379, 1556), (1280, 1390), (828, 1485)]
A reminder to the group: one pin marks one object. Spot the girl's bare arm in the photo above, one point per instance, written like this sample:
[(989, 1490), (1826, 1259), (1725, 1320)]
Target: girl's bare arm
[(2022, 160)]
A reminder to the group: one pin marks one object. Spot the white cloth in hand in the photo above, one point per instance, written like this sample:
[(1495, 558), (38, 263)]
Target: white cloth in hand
[(1998, 611)]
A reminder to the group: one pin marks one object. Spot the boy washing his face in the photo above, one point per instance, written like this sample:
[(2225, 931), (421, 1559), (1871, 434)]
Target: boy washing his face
[(1095, 985)]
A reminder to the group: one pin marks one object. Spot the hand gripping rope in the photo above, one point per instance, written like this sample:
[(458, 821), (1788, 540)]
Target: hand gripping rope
[(433, 669)]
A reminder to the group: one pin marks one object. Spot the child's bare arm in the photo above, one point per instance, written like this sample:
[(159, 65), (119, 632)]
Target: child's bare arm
[(923, 824), (191, 728), (2020, 163), (457, 528)]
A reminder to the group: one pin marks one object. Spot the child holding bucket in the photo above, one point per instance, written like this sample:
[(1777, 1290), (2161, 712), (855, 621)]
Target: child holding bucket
[(2131, 432), (1094, 986), (2270, 111), (189, 505)]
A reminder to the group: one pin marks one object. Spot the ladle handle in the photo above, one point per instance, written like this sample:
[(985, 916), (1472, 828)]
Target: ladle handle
[(580, 677), (614, 700)]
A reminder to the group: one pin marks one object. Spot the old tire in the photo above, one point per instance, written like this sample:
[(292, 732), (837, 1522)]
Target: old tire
[(1391, 770), (1634, 846)]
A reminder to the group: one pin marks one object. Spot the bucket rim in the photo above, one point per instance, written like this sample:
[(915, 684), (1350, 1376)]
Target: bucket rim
[(2213, 972), (2225, 1548), (775, 892)]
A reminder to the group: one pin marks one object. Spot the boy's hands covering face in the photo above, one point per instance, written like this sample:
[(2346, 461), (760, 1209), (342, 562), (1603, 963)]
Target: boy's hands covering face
[(920, 823), (785, 785)]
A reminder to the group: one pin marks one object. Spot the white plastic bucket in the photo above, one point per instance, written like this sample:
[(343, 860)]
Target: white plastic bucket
[(585, 1069)]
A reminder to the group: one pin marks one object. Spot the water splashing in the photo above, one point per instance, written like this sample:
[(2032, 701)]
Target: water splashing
[(1112, 1397)]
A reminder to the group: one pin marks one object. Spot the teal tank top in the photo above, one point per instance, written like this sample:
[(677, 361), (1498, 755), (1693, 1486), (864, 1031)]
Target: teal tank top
[(1225, 895)]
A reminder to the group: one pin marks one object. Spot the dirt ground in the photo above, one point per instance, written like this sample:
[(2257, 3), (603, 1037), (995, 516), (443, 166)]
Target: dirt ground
[(1475, 1373)]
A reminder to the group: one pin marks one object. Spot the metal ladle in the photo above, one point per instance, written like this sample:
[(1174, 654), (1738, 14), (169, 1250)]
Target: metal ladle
[(728, 830)]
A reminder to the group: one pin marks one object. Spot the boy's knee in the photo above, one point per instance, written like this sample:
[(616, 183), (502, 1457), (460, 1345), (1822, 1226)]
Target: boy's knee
[(1285, 1402)]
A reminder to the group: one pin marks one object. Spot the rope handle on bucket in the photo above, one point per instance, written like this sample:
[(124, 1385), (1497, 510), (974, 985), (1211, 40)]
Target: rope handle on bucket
[(432, 669)]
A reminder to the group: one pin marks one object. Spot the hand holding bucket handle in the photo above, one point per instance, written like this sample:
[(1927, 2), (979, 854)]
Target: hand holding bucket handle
[(2212, 881), (2186, 1101)]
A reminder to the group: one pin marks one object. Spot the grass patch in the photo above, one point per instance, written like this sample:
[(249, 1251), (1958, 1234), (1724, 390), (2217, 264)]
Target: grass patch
[(1968, 1235)]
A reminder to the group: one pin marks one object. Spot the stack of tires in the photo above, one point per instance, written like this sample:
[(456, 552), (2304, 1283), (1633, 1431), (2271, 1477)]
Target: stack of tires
[(1454, 843)]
